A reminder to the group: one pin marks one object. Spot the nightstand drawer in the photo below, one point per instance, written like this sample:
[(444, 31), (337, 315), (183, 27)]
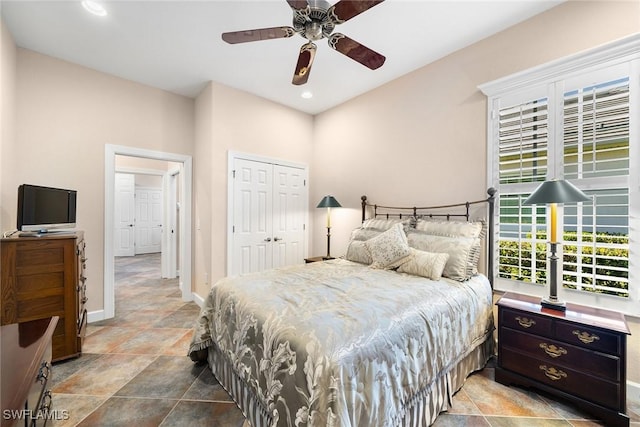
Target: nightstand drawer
[(596, 390), (528, 322), (591, 338), (556, 352)]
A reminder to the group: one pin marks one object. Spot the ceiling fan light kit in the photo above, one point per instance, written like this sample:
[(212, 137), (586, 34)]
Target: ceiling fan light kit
[(315, 20)]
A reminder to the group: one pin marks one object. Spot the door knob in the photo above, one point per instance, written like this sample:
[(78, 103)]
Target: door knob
[(268, 239), (275, 239)]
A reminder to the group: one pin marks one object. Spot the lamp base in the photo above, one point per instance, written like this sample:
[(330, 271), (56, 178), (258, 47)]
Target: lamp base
[(553, 304)]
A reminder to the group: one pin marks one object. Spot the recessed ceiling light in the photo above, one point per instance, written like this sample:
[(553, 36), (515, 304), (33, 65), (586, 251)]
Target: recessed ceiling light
[(94, 8), (306, 94)]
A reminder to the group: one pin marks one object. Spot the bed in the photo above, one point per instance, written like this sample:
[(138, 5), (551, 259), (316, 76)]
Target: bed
[(381, 337)]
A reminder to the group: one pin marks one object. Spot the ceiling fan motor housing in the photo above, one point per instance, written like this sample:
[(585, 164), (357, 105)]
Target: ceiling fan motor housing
[(312, 22)]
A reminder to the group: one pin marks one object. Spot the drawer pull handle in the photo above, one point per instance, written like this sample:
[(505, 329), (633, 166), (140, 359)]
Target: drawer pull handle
[(525, 322), (47, 402), (552, 350), (586, 337), (43, 373), (553, 373)]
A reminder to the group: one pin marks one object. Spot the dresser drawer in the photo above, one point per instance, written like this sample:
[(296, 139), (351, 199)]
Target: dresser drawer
[(526, 322), (600, 391), (551, 351), (591, 338)]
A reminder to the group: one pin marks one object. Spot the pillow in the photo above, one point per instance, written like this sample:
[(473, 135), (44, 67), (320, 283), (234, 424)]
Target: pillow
[(356, 252), (384, 224), (464, 252), (452, 228), (389, 249), (363, 234), (425, 264)]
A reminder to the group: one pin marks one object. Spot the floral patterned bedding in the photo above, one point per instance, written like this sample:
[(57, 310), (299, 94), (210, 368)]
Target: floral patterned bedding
[(338, 343)]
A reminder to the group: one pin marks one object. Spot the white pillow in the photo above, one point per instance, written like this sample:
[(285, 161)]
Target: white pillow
[(357, 252), (464, 252), (425, 264), (389, 249), (452, 228)]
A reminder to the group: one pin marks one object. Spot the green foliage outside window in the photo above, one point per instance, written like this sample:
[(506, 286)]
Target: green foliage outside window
[(610, 262)]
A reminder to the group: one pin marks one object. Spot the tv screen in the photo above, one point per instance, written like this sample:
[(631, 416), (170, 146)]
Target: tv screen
[(45, 208)]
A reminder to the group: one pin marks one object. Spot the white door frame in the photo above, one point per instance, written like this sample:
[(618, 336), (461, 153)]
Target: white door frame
[(169, 249), (231, 157), (109, 197)]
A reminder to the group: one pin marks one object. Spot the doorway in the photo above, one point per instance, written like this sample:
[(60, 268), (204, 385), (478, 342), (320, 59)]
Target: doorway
[(183, 224)]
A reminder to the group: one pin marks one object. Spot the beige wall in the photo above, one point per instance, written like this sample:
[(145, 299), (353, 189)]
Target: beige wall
[(231, 120), (65, 114), (422, 138), (8, 61)]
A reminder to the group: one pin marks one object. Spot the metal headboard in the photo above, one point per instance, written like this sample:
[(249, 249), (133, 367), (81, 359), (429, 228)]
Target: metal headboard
[(387, 212)]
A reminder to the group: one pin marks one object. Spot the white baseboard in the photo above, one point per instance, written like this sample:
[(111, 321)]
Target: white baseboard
[(95, 316), (633, 392), (197, 299)]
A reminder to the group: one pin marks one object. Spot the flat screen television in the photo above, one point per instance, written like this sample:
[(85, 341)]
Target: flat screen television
[(42, 209)]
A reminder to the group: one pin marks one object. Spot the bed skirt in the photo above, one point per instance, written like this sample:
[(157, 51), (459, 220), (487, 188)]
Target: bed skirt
[(421, 411)]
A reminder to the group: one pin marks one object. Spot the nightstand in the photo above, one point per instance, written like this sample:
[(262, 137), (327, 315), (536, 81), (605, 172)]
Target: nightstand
[(316, 259), (579, 355)]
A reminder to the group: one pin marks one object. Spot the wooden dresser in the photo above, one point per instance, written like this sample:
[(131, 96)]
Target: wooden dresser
[(43, 277), (579, 355), (26, 370)]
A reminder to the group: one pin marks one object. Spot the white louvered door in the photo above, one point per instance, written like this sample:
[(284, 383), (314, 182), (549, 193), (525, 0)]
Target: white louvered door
[(269, 208)]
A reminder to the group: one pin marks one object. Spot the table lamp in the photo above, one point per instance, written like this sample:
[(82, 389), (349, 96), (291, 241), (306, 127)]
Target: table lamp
[(328, 202), (552, 193)]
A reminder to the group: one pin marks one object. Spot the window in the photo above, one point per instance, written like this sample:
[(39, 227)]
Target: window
[(570, 120)]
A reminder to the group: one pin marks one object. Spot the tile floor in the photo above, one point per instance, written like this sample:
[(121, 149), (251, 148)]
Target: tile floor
[(134, 372)]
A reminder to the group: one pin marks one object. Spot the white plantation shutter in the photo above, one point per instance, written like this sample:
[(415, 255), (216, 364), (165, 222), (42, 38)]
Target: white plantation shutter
[(523, 160), (596, 158), (576, 119), (523, 142)]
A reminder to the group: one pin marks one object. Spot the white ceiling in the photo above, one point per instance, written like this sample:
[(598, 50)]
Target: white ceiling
[(176, 45)]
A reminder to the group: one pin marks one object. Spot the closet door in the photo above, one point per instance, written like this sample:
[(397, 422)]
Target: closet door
[(252, 207), (289, 212), (269, 210)]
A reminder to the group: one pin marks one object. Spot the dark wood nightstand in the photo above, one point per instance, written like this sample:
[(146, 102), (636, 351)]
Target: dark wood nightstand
[(316, 259), (579, 355)]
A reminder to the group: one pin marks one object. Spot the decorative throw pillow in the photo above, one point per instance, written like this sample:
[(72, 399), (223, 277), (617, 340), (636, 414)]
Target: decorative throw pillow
[(464, 252), (425, 264), (389, 249), (357, 252)]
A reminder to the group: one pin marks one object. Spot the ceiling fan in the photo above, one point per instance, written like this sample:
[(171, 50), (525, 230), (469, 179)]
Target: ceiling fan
[(315, 20)]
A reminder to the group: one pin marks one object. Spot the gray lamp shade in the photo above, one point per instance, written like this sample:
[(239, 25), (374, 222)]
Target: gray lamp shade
[(556, 191), (329, 202)]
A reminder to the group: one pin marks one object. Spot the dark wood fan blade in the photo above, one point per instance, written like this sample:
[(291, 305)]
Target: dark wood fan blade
[(303, 67), (258, 34), (356, 51), (347, 9), (298, 4)]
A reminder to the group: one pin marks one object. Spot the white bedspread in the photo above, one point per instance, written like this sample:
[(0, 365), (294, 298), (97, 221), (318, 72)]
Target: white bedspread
[(340, 344)]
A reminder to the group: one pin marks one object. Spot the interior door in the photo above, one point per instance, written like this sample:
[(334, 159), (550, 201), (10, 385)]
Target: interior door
[(269, 211), (148, 220), (289, 212), (124, 233), (252, 207)]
